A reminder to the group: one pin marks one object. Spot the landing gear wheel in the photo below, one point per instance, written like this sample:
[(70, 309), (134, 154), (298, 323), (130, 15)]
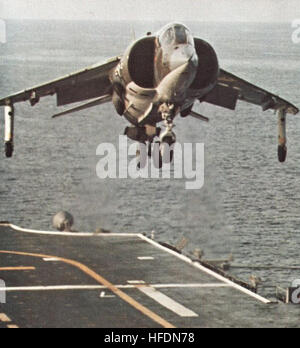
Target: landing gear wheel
[(162, 154), (9, 149), (157, 155), (150, 149), (167, 152), (282, 153), (142, 156)]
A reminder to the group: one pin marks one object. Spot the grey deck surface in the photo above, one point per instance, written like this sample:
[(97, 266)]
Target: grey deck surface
[(116, 260)]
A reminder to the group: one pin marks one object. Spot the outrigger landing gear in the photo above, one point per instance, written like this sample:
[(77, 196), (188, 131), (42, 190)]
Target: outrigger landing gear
[(9, 149), (282, 138), (9, 130)]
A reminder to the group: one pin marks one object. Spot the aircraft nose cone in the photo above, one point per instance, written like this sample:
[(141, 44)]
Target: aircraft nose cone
[(183, 55)]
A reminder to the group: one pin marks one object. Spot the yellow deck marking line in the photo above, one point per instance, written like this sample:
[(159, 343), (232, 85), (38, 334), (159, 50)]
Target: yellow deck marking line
[(4, 318), (17, 268), (147, 312)]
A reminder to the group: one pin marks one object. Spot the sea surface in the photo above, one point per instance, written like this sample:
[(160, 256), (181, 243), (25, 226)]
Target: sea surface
[(249, 205)]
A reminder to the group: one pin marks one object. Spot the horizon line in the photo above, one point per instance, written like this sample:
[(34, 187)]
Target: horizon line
[(140, 20)]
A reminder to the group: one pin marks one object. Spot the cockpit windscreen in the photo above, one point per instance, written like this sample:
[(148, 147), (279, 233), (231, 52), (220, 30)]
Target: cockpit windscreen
[(177, 35)]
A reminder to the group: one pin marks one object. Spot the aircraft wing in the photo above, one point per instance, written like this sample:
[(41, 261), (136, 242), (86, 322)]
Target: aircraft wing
[(231, 88), (85, 84)]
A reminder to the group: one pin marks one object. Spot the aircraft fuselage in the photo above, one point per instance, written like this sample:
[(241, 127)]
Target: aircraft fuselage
[(168, 70)]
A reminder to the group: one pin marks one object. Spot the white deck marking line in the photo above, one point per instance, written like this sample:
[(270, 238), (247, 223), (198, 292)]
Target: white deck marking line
[(167, 302), (146, 258), (195, 286), (70, 234), (51, 259), (4, 318), (208, 271), (102, 287), (135, 282), (54, 288)]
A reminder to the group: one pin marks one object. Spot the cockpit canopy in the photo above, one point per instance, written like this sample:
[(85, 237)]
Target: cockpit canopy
[(176, 34)]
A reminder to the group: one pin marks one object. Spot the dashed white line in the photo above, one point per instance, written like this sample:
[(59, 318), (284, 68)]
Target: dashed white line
[(103, 295), (135, 282), (146, 258)]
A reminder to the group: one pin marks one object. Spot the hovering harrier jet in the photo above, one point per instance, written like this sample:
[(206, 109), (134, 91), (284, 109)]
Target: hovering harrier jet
[(157, 78)]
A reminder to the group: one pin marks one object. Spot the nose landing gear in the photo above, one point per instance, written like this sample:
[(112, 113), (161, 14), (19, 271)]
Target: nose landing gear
[(160, 152), (163, 151)]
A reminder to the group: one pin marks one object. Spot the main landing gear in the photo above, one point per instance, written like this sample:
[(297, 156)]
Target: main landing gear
[(282, 138), (168, 137), (9, 130), (160, 151)]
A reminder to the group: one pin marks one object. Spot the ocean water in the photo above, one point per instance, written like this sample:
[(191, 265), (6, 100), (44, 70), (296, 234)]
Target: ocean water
[(250, 203)]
